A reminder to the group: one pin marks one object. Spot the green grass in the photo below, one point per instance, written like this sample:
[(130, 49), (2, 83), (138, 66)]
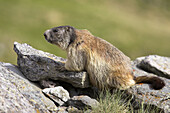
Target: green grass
[(137, 27), (118, 103), (110, 103)]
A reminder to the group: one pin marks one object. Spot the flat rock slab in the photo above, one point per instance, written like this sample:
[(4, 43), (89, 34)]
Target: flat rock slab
[(156, 64), (18, 95), (37, 65), (159, 98)]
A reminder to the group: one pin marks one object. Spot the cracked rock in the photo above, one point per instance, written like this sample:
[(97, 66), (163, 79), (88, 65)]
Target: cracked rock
[(156, 64), (18, 95), (158, 98)]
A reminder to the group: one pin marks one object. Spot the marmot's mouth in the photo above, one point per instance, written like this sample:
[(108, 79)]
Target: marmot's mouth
[(46, 35), (50, 41)]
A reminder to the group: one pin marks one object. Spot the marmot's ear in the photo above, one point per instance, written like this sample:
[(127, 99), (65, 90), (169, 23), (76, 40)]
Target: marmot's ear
[(67, 28), (86, 31)]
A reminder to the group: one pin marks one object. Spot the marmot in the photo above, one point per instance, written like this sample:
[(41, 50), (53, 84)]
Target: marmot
[(106, 65)]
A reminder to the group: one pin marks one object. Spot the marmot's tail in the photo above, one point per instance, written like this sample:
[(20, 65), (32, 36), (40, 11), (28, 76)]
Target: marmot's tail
[(155, 82)]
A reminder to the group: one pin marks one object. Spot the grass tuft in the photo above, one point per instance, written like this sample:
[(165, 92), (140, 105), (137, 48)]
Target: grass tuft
[(118, 103), (110, 103)]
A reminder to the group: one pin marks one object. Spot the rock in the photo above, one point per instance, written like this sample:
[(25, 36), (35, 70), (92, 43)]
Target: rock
[(17, 94), (82, 102), (72, 109), (37, 65), (69, 109), (156, 64), (87, 100), (57, 94), (158, 98), (61, 110)]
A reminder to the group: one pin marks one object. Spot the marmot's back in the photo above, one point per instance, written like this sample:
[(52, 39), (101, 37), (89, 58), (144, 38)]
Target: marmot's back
[(109, 65)]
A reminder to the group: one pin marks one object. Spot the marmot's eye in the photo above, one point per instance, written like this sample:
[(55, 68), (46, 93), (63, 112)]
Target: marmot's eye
[(55, 30)]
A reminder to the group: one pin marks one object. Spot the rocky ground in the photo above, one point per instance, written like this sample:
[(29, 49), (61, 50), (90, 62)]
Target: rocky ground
[(40, 84)]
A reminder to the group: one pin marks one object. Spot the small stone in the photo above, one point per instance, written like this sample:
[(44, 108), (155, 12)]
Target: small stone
[(72, 109), (61, 110), (87, 100), (82, 102), (57, 94)]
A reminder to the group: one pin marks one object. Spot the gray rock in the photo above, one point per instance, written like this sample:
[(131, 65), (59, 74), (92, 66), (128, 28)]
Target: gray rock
[(82, 102), (87, 100), (19, 95), (158, 98), (37, 65), (61, 110), (156, 64), (57, 94), (72, 109)]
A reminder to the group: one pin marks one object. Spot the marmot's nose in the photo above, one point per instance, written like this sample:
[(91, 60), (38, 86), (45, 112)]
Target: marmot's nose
[(46, 34)]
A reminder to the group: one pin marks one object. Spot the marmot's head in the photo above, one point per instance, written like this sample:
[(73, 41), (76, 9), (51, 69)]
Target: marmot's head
[(62, 36)]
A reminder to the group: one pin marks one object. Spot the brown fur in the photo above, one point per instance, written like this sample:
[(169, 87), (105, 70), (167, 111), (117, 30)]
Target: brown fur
[(106, 65)]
